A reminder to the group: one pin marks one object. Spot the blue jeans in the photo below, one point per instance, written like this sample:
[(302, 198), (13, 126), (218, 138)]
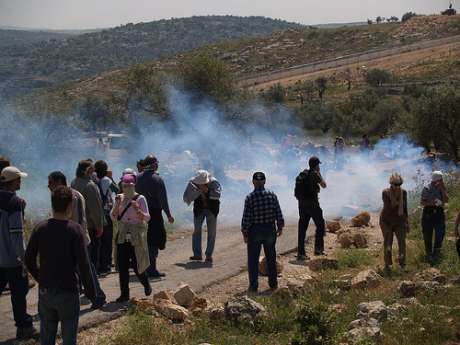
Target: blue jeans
[(211, 224), (19, 287), (54, 306), (262, 235)]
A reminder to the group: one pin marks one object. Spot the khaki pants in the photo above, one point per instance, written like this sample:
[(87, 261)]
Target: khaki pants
[(388, 231)]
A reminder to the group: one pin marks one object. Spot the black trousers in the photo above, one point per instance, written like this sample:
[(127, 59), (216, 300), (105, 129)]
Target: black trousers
[(94, 247), (105, 260), (433, 221), (19, 287), (307, 212), (126, 258)]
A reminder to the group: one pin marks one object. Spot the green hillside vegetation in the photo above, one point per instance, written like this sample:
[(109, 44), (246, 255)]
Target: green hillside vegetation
[(25, 38)]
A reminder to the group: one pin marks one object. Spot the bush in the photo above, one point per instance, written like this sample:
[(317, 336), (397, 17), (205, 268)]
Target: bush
[(377, 77), (315, 326), (407, 16), (276, 93)]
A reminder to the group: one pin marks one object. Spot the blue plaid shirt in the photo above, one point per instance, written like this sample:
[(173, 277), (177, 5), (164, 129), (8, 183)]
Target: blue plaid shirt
[(261, 207)]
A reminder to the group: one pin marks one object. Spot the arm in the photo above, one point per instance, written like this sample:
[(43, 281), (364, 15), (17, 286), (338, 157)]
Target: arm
[(31, 256), (140, 205), (16, 234), (320, 180), (116, 207), (246, 221), (81, 254), (216, 190), (164, 198), (94, 202), (279, 216)]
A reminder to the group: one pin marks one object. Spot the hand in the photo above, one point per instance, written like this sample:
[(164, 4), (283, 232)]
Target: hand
[(99, 232), (279, 232), (135, 205), (438, 202), (110, 174), (203, 188), (245, 237), (118, 198), (23, 204), (171, 219)]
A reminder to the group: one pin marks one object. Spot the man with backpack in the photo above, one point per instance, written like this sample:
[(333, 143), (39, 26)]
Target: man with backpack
[(307, 188)]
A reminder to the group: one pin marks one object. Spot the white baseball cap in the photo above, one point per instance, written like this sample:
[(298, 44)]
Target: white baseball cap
[(436, 176), (201, 177), (11, 173)]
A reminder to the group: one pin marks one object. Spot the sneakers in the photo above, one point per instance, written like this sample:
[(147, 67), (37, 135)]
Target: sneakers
[(196, 258), (122, 299), (26, 333), (148, 290)]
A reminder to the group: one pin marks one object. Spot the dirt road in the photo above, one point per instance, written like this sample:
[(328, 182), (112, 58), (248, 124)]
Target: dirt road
[(229, 260)]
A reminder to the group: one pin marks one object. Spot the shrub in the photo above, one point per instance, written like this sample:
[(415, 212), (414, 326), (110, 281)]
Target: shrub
[(315, 326)]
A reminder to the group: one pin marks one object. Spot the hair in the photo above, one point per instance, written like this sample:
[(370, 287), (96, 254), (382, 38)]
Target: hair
[(101, 168), (58, 176), (396, 179), (4, 162), (82, 167), (61, 199)]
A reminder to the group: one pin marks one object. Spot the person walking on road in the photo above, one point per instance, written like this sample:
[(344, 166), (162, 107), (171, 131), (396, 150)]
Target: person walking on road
[(204, 191), (307, 188), (262, 222)]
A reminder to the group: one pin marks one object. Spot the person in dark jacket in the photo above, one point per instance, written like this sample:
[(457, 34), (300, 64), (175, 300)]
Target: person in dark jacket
[(262, 222), (151, 185), (394, 220), (308, 185), (204, 191)]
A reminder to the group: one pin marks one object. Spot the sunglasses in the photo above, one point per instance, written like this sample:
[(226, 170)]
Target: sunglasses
[(396, 184)]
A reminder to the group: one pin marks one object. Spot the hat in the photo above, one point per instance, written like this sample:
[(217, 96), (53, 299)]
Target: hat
[(258, 176), (128, 171), (436, 176), (11, 173), (201, 177), (314, 162), (128, 179)]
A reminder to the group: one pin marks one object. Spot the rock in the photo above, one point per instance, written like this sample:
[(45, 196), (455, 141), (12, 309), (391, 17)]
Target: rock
[(359, 239), (336, 308), (366, 279), (333, 226), (344, 282), (198, 305), (431, 274), (373, 310), (345, 239), (185, 296), (352, 238), (410, 301), (361, 334), (370, 322), (319, 264), (407, 288), (426, 285), (165, 295), (361, 220), (217, 313), (171, 311), (263, 267), (284, 295), (243, 309)]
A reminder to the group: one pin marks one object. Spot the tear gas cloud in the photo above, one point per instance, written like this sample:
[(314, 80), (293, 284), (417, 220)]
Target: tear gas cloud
[(199, 136)]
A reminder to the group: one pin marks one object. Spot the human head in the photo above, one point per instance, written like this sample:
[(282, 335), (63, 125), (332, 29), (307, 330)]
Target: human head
[(201, 177), (101, 168), (396, 181), (10, 178), (436, 177), (314, 163), (258, 179), (56, 179), (61, 200), (150, 162), (140, 165), (128, 184), (4, 162), (84, 168)]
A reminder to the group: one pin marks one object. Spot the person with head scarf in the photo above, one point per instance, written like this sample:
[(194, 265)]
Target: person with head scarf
[(434, 197), (131, 214), (394, 220)]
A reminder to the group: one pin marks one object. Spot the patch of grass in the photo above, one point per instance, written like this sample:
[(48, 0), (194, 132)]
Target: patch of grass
[(354, 258)]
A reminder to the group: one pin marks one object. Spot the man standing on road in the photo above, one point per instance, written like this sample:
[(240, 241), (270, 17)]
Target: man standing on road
[(307, 188), (55, 180), (60, 246), (262, 222), (12, 249), (151, 185), (94, 211), (434, 197)]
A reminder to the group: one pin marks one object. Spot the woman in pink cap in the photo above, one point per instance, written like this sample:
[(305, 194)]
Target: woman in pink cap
[(131, 214)]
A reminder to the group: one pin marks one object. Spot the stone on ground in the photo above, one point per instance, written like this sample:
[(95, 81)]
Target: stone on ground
[(431, 274), (185, 296), (171, 311), (318, 264), (407, 289), (243, 309), (263, 266), (333, 226), (361, 220), (366, 279), (375, 310)]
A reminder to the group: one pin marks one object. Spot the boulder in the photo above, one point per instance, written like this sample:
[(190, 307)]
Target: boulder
[(431, 274), (352, 238), (370, 322), (263, 266), (243, 309), (426, 285), (407, 289), (217, 313), (345, 239), (359, 239), (362, 334), (361, 220), (198, 305), (284, 295), (366, 279), (185, 296), (171, 311), (333, 226), (165, 295), (319, 264), (373, 310)]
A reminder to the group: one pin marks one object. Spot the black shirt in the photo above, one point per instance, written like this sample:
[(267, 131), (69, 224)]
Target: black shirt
[(61, 247), (151, 185)]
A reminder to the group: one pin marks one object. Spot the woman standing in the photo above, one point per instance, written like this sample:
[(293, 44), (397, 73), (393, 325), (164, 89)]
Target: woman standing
[(394, 220), (131, 214)]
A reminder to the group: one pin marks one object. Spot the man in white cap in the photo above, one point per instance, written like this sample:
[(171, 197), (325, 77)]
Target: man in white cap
[(204, 191), (434, 197), (12, 248)]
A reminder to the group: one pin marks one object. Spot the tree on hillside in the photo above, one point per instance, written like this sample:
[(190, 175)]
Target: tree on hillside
[(207, 76), (321, 86), (276, 93), (379, 19), (377, 77), (436, 120), (407, 16)]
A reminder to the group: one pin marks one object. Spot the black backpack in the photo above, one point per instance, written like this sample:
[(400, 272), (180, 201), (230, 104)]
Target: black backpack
[(303, 188)]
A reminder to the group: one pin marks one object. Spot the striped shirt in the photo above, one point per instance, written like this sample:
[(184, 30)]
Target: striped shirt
[(261, 207), (11, 229)]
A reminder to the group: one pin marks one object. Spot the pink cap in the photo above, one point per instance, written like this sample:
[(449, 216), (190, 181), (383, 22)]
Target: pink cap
[(128, 179)]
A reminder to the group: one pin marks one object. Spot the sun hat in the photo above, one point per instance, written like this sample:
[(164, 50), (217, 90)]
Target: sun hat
[(201, 177), (10, 174)]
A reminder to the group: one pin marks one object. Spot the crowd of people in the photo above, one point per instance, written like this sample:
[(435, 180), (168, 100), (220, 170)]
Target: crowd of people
[(98, 224)]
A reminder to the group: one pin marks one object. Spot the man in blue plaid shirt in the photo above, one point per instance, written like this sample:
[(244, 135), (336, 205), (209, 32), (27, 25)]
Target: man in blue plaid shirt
[(262, 222)]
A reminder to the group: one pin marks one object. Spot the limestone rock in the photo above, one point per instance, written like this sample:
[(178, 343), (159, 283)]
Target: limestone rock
[(345, 239), (361, 220), (359, 239), (319, 264), (431, 274), (185, 296), (352, 238), (284, 295), (217, 313), (358, 335), (171, 311), (344, 282), (366, 279), (263, 267), (373, 310), (198, 305), (333, 226), (165, 295), (243, 309), (426, 285), (407, 289)]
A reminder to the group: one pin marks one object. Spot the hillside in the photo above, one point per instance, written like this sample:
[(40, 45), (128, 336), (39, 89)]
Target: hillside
[(22, 66), (24, 38)]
